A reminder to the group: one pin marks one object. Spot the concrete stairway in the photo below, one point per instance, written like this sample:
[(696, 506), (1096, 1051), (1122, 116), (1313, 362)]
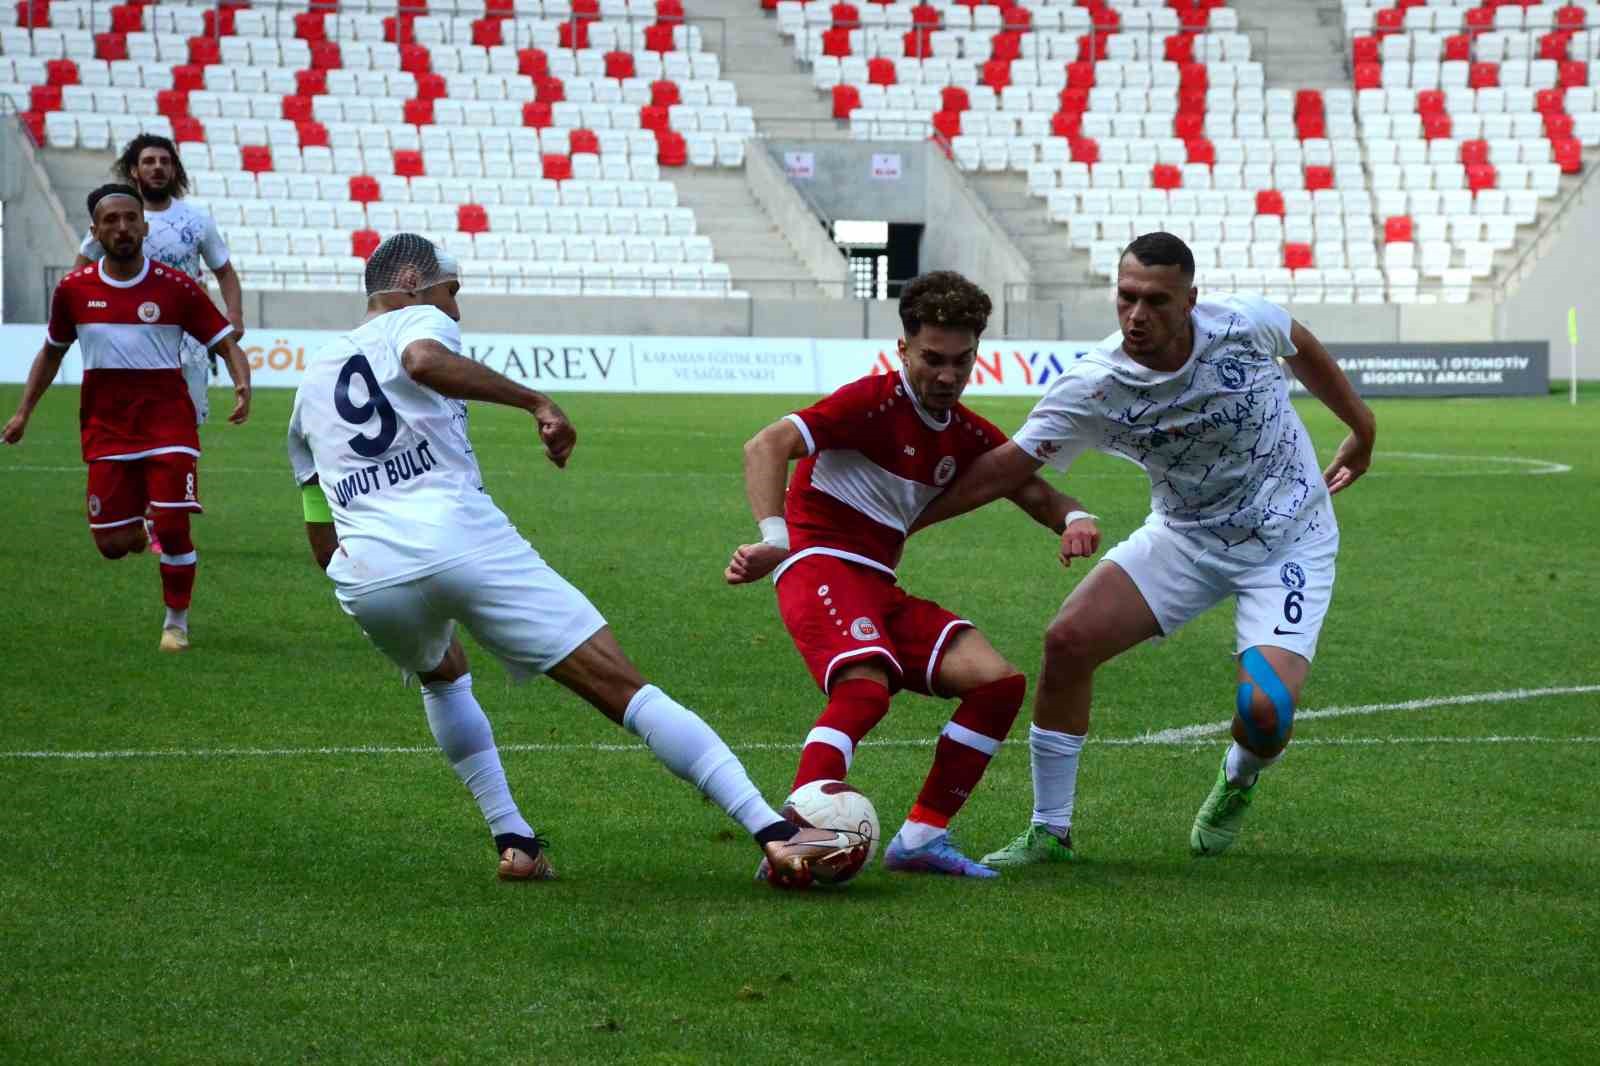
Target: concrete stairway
[(1304, 46), (1058, 268), (742, 235), (762, 67)]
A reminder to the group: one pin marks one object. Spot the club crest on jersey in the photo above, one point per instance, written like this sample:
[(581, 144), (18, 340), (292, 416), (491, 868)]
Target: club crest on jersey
[(863, 629), (1292, 576), (945, 470), (94, 506), (149, 311), (1231, 371)]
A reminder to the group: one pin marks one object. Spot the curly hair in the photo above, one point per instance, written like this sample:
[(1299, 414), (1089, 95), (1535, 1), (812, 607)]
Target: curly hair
[(127, 163), (946, 299)]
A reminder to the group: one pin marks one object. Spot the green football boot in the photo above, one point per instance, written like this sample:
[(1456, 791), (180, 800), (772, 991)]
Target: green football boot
[(1216, 825), (1035, 845)]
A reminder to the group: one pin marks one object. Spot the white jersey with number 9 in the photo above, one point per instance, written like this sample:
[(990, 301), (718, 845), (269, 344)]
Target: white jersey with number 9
[(392, 456)]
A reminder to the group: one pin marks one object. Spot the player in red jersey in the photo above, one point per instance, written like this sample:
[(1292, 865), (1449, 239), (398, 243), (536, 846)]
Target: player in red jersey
[(872, 456), (128, 315)]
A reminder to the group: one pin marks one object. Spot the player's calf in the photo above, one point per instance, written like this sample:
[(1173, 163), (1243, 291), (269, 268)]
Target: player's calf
[(177, 575), (1264, 706)]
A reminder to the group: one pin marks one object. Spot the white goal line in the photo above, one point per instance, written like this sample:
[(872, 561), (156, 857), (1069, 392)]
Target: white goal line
[(1179, 737)]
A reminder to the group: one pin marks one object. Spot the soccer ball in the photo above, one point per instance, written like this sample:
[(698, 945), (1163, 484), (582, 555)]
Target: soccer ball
[(843, 808)]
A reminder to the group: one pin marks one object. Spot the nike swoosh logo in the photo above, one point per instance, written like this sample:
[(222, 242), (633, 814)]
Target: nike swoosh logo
[(1280, 631)]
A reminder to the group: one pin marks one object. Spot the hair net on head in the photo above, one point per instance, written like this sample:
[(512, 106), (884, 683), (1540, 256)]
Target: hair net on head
[(409, 262)]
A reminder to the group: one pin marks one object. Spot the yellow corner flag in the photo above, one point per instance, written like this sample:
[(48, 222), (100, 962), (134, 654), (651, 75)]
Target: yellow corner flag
[(1572, 325)]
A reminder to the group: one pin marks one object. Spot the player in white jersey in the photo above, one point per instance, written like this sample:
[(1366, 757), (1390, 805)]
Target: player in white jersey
[(1192, 392), (397, 514), (181, 236)]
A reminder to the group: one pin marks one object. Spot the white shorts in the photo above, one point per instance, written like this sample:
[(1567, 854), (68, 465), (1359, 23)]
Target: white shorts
[(1282, 600), (526, 615)]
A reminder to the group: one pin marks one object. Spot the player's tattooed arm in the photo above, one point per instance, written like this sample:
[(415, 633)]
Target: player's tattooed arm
[(40, 375), (998, 472), (1321, 376), (431, 364), (767, 456)]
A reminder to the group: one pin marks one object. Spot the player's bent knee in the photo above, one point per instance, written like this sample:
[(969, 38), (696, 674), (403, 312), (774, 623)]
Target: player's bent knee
[(1264, 704), (1070, 642)]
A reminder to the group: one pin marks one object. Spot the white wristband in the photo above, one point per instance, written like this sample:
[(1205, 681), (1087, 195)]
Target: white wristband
[(1075, 516), (774, 531)]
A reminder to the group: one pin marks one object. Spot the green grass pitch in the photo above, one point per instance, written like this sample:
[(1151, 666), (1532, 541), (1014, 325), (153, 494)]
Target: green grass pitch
[(1413, 886)]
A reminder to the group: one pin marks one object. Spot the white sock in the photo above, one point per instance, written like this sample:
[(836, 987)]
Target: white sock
[(180, 619), (914, 835), (463, 733), (692, 750), (1055, 777), (1244, 765)]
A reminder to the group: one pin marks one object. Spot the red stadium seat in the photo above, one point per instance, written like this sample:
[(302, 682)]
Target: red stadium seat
[(432, 87), (845, 15), (415, 59), (310, 26), (947, 123), (574, 33), (255, 158), (173, 103), (926, 16), (1483, 75), (1458, 48), (880, 71), (954, 98), (846, 98), (1397, 230), (61, 72), (408, 163), (584, 142), (472, 218), (1364, 50), (1016, 19), (996, 74), (836, 42), (1093, 47), (1166, 176), (1568, 154), (556, 167), (1006, 46), (111, 46), (1179, 48), (1194, 19), (533, 63), (1548, 100), (1474, 152), (1080, 76), (1479, 19), (1555, 45), (218, 22), (665, 93), (656, 118), (1309, 102), (1571, 17), (205, 51), (1436, 126), (127, 18), (550, 89), (188, 128), (400, 29), (1193, 76), (1389, 20), (586, 10), (536, 114), (33, 14), (1481, 176), (1319, 178), (1430, 102), (363, 242), (1572, 73), (1187, 125), (671, 150), (188, 78), (325, 55), (502, 8), (1075, 100), (1201, 150), (1297, 256), (307, 82), (669, 11), (1311, 127), (418, 112), (1557, 125), (364, 189), (486, 33), (1105, 20), (917, 44), (44, 98), (312, 134), (619, 65), (1068, 124), (1085, 150), (1269, 202), (1368, 76)]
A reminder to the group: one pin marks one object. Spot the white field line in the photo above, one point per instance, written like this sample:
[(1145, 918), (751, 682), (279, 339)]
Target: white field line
[(1179, 737), (1508, 466)]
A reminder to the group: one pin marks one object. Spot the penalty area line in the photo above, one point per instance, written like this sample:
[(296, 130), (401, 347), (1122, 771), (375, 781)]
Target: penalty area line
[(1179, 737)]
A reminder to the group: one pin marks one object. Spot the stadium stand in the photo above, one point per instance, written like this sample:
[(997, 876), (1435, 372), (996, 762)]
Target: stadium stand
[(536, 140), (1132, 115)]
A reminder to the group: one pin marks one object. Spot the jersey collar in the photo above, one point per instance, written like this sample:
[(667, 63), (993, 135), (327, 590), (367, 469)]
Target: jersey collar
[(99, 268), (922, 412)]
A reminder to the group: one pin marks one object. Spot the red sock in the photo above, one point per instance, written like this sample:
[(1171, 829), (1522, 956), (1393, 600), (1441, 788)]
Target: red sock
[(177, 558), (965, 748), (854, 707)]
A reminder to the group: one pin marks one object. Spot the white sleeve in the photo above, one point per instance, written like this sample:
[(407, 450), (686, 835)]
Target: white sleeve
[(1058, 430), (90, 248), (301, 461), (213, 249), (425, 323), (1272, 324)]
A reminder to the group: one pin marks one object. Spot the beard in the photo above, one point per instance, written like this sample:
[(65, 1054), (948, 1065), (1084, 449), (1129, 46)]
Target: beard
[(162, 191)]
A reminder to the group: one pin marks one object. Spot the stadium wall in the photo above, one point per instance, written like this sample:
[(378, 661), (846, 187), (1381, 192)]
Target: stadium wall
[(1564, 276), (35, 234)]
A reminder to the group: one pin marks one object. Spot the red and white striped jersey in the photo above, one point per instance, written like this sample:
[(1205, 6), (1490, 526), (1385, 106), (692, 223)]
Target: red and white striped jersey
[(129, 333), (876, 458)]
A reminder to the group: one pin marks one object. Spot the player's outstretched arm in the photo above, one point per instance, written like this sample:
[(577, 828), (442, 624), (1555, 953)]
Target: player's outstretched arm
[(1061, 514), (1321, 376), (238, 373), (40, 375), (766, 474), (998, 472), (431, 364)]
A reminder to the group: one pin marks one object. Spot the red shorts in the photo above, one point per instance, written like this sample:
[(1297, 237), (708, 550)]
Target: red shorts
[(121, 489), (839, 612)]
